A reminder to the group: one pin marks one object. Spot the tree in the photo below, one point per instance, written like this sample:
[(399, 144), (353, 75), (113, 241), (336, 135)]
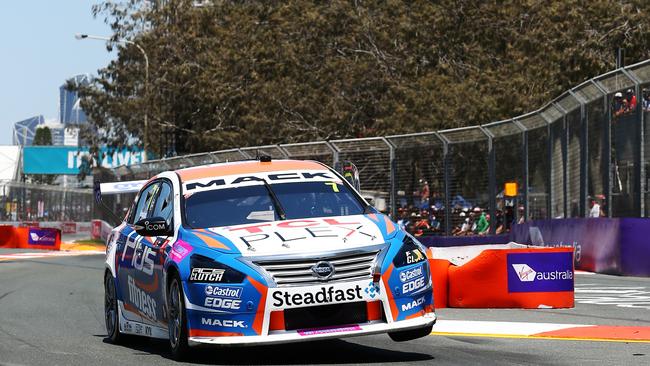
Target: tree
[(241, 73), (42, 137)]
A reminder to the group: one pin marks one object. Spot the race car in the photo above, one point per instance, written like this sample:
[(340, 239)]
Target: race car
[(260, 252)]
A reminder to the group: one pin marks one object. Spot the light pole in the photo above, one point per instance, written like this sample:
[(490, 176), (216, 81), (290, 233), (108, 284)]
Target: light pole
[(146, 79)]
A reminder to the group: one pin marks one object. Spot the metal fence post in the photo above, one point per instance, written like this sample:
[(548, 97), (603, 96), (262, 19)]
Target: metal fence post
[(565, 161), (638, 151), (525, 179), (335, 155), (492, 180), (393, 179), (607, 154), (584, 155), (446, 163)]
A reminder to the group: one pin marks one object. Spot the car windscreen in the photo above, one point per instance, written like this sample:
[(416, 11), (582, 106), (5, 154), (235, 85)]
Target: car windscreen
[(254, 204)]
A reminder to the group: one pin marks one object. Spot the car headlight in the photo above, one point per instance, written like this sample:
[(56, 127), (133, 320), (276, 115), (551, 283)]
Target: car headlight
[(411, 252), (204, 269)]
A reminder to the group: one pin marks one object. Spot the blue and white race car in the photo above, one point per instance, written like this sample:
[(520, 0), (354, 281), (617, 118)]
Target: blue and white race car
[(260, 252)]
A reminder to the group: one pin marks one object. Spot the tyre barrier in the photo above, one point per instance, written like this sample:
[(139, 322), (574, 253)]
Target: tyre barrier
[(502, 276), (30, 237)]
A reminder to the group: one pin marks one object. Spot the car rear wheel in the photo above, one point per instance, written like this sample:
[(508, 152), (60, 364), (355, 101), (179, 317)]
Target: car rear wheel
[(407, 335), (177, 319), (111, 315)]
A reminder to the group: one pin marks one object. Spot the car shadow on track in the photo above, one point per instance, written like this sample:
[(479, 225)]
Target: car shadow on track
[(335, 351)]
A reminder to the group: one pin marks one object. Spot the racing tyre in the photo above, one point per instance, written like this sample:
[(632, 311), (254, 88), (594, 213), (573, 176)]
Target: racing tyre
[(407, 335), (111, 312), (177, 319)]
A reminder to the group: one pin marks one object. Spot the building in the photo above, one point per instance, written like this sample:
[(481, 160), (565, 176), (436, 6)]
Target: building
[(25, 130), (70, 111)]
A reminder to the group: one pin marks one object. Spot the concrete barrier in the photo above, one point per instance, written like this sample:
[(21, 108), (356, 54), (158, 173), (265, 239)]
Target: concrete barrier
[(503, 276), (30, 237)]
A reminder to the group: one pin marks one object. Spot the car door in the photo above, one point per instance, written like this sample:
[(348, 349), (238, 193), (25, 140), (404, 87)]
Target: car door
[(133, 260), (151, 278)]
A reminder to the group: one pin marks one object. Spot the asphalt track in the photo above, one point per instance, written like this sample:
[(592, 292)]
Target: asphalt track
[(51, 313)]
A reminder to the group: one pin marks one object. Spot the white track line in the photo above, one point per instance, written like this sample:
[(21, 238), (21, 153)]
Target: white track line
[(498, 328)]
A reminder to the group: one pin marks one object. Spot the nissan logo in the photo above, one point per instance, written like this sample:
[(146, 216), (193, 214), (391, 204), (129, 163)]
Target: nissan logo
[(323, 270)]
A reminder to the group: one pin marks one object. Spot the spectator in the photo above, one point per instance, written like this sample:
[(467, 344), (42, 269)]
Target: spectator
[(630, 98), (619, 104), (646, 100), (483, 224), (424, 195), (595, 209)]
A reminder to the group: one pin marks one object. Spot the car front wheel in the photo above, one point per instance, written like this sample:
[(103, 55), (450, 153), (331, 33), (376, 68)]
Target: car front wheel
[(111, 315), (177, 319)]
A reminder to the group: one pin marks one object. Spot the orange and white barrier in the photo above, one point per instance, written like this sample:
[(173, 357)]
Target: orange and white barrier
[(502, 276), (30, 237)]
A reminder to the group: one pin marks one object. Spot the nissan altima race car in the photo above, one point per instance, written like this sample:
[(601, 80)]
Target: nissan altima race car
[(260, 252)]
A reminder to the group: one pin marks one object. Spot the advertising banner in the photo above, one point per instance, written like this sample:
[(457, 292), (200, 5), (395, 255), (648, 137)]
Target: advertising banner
[(595, 241), (42, 236), (604, 245), (540, 272), (635, 246), (68, 159)]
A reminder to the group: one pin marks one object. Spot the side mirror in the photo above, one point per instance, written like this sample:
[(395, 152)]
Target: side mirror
[(155, 226)]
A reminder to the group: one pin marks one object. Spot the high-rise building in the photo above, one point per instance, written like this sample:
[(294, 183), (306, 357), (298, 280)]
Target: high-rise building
[(70, 111), (25, 130)]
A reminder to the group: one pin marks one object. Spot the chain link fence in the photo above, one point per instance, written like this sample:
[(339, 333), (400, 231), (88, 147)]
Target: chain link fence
[(584, 154), (31, 202)]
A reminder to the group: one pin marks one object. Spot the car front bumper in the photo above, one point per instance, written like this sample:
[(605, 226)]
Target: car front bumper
[(277, 337)]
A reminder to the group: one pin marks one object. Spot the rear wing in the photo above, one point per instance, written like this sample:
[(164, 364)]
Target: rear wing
[(133, 186)]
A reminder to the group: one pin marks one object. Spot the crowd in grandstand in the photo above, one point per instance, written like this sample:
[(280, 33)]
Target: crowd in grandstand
[(465, 221)]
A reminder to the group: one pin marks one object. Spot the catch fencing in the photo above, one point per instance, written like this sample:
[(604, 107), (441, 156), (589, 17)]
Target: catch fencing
[(586, 147), (20, 202)]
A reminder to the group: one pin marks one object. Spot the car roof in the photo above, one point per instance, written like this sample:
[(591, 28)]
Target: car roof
[(246, 167)]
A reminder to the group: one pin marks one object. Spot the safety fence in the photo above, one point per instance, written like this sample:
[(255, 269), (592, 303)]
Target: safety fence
[(20, 202), (583, 154)]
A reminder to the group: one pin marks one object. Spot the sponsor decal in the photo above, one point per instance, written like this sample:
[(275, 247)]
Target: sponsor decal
[(413, 304), (409, 274), (372, 290), (328, 330), (225, 323), (223, 291), (142, 256), (413, 286), (540, 272), (227, 182), (140, 329), (323, 270), (415, 256), (206, 274), (316, 296), (219, 303), (142, 301), (41, 236), (180, 250), (289, 231)]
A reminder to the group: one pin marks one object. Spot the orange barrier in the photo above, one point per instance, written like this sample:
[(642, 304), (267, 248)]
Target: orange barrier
[(30, 237), (439, 277), (514, 278)]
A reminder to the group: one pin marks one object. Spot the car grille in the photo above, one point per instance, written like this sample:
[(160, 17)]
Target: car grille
[(325, 316), (288, 272)]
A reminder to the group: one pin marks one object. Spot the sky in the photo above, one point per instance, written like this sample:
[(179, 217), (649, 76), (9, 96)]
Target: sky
[(38, 52)]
